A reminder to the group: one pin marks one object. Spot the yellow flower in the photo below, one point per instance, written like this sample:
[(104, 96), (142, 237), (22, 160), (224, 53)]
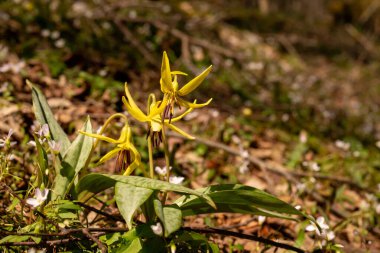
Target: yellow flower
[(128, 158), (169, 86), (153, 117)]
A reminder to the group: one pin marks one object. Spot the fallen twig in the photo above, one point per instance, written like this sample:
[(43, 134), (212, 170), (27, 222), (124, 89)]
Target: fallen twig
[(245, 236)]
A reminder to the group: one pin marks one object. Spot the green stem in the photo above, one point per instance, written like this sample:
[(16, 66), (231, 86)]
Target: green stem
[(150, 152), (167, 160), (166, 152)]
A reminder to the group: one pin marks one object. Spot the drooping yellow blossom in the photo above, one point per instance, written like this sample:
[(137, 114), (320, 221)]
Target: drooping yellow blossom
[(128, 158), (169, 86), (153, 117)]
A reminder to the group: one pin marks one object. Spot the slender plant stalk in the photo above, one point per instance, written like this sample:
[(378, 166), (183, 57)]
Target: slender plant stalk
[(150, 153), (166, 152), (167, 161)]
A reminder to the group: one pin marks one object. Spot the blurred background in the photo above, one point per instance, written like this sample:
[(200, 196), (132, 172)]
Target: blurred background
[(296, 81)]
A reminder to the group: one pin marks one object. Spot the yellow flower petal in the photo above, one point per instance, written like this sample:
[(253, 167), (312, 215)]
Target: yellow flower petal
[(193, 84), (158, 110), (192, 105), (101, 137), (109, 155), (180, 116), (176, 72), (166, 78), (136, 113), (136, 162), (181, 132)]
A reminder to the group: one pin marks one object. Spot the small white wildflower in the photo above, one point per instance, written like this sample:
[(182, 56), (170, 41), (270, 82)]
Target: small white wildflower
[(298, 207), (322, 224), (55, 35), (301, 186), (60, 43), (157, 229), (40, 197), (330, 236), (214, 113), (43, 131), (161, 171), (176, 180), (255, 66), (261, 219), (55, 146), (32, 250), (303, 136), (45, 33), (342, 145), (244, 154), (6, 141), (32, 143), (11, 157), (244, 167), (4, 87), (103, 72), (315, 167), (378, 209)]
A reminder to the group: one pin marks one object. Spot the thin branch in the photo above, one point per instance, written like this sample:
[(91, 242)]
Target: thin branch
[(93, 209), (245, 236), (90, 236)]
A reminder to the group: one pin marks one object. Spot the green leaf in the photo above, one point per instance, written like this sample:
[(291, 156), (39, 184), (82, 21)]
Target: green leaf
[(172, 219), (73, 161), (132, 247), (94, 183), (129, 198), (42, 160), (170, 216), (44, 115), (237, 198), (14, 238), (36, 239)]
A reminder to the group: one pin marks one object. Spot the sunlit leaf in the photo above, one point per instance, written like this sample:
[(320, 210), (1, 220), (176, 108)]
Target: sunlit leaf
[(129, 198), (44, 115), (73, 161)]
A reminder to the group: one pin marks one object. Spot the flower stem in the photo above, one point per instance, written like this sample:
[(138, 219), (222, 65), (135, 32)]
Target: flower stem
[(166, 152), (150, 153), (167, 161)]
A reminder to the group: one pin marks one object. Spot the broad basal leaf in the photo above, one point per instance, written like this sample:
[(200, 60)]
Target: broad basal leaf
[(129, 198), (237, 198), (44, 115), (94, 183), (73, 161)]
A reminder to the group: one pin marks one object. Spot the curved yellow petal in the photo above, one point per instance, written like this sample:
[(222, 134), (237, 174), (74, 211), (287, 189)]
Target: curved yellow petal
[(109, 155), (158, 110), (193, 105), (136, 162), (180, 116), (193, 84), (135, 112), (101, 137), (166, 78), (181, 132), (176, 72), (131, 102)]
